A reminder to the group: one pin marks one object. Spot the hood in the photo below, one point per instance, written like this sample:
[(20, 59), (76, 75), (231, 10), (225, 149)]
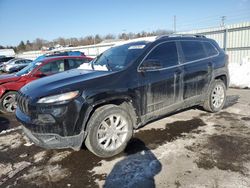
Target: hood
[(8, 78), (61, 82)]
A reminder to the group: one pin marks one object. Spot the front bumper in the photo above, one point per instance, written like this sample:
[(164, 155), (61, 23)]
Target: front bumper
[(53, 127), (55, 141)]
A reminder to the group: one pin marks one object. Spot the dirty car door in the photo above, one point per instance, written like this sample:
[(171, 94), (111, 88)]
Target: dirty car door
[(197, 69), (162, 75)]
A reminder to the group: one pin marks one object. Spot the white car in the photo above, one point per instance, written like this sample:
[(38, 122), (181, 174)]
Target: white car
[(15, 63)]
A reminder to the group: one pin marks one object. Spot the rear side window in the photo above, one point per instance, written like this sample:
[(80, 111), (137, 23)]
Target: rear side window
[(166, 53), (53, 67), (193, 50), (211, 50), (19, 62)]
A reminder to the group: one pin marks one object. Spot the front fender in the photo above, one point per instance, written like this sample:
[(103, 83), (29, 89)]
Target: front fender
[(2, 91)]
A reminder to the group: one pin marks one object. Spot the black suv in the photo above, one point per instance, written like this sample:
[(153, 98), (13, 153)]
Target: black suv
[(122, 89)]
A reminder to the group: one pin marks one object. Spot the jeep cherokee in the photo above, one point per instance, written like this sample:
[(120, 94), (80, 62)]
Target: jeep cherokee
[(102, 102)]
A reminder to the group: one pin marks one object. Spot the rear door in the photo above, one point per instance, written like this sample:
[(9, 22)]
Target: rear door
[(162, 86), (197, 68)]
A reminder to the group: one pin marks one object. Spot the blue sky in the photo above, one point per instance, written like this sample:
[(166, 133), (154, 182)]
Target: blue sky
[(50, 19)]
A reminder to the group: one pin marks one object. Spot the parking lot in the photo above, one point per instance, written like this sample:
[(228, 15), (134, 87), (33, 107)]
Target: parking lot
[(191, 148)]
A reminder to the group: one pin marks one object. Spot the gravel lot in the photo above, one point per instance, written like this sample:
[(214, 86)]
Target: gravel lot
[(191, 148)]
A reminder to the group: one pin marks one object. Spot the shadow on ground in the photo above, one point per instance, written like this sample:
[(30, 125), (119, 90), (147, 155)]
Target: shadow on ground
[(4, 124), (8, 121), (137, 170), (231, 100)]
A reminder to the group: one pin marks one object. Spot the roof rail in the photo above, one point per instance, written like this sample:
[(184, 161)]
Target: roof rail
[(181, 35)]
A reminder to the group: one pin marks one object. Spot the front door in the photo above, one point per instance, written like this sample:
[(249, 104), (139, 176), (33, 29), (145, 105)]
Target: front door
[(162, 84)]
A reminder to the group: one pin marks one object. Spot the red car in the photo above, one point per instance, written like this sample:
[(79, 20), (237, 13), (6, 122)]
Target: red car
[(11, 83)]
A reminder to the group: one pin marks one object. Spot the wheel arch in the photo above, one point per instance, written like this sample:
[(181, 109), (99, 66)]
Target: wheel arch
[(125, 102), (222, 74)]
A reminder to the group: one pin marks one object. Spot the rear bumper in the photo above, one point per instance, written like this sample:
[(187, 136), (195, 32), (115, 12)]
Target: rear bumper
[(55, 141)]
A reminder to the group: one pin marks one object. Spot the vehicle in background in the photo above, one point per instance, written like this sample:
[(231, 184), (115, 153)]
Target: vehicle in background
[(11, 83), (4, 63), (124, 88), (4, 59), (16, 63), (17, 68), (20, 67), (58, 53)]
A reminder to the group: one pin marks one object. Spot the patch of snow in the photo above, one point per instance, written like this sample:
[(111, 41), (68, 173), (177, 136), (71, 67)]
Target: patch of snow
[(240, 73), (23, 155), (39, 156), (28, 144), (27, 140), (5, 169), (59, 156), (9, 171), (10, 130), (48, 173), (87, 66), (11, 141)]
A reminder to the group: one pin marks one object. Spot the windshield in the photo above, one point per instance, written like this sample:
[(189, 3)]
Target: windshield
[(116, 58), (28, 69)]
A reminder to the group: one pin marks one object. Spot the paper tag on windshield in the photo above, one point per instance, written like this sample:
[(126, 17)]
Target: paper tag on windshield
[(136, 47)]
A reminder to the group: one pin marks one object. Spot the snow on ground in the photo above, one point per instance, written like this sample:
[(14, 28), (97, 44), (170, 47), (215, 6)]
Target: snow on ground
[(38, 175), (188, 149), (240, 73)]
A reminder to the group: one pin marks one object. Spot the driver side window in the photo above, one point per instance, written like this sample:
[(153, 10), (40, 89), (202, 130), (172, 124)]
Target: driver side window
[(166, 54)]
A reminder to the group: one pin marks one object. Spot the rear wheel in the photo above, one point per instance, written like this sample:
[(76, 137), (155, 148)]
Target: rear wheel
[(8, 102), (216, 96), (110, 129)]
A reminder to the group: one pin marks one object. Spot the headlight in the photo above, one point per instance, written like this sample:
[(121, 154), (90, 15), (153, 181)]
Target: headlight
[(59, 98)]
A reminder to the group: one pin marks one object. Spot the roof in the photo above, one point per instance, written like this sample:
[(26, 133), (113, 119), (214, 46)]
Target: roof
[(46, 59)]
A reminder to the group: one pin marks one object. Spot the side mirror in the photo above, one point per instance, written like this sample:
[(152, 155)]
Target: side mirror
[(150, 64), (38, 74)]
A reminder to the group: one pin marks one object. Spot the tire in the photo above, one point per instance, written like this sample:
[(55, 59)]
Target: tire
[(99, 128), (210, 105), (5, 104)]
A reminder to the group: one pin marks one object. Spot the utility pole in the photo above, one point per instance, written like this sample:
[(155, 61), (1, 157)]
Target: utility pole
[(174, 23), (223, 18)]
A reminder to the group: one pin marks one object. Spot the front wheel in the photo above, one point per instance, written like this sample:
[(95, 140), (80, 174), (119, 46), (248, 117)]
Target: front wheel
[(8, 102), (216, 97), (110, 129)]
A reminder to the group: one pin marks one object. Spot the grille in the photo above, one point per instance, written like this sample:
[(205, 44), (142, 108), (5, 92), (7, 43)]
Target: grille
[(23, 102)]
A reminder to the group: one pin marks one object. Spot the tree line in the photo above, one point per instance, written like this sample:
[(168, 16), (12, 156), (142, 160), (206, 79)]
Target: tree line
[(39, 43)]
